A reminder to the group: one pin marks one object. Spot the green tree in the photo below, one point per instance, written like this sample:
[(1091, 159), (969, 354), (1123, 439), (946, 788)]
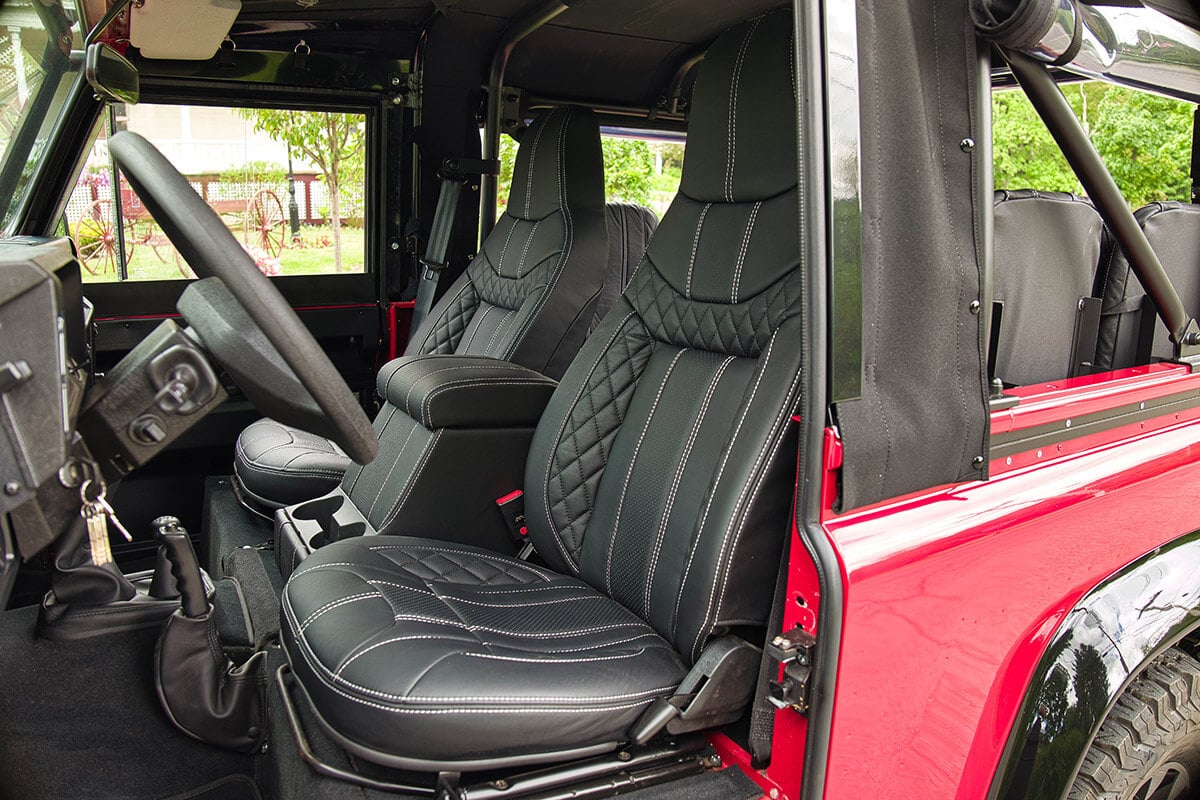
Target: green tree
[(628, 170), (1145, 141), (332, 142)]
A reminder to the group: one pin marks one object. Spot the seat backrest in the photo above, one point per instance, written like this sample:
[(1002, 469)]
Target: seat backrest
[(663, 470), (527, 296), (1173, 229), (629, 229), (1046, 249)]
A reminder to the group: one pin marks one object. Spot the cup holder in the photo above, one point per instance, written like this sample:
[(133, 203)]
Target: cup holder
[(326, 519), (320, 510)]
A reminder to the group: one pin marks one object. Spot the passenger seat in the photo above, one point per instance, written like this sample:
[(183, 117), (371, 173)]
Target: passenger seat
[(1046, 249), (276, 465), (1130, 333)]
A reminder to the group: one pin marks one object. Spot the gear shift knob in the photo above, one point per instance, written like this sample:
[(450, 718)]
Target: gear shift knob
[(184, 565)]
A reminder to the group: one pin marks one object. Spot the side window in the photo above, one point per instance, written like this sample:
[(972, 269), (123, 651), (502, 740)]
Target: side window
[(290, 186), (1145, 140), (639, 167)]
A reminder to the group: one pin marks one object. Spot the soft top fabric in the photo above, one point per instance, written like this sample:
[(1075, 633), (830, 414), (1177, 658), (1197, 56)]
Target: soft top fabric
[(922, 417)]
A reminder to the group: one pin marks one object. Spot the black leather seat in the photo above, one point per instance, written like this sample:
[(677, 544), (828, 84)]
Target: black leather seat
[(276, 465), (1045, 254), (1130, 332), (658, 486)]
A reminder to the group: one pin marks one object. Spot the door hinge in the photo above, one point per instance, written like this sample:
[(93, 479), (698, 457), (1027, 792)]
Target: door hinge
[(793, 650), (406, 90)]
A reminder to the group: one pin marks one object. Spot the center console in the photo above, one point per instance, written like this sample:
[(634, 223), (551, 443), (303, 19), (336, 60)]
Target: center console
[(454, 433)]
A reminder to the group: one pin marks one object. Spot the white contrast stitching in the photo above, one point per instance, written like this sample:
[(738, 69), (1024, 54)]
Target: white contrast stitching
[(632, 463), (320, 612), (391, 469), (555, 534), (318, 669), (687, 289), (741, 259), (661, 534), (412, 480), (478, 323), (740, 509), (717, 482), (569, 243), (734, 86)]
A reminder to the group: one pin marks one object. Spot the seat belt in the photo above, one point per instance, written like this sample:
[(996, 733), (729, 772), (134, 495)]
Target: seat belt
[(762, 712), (453, 174)]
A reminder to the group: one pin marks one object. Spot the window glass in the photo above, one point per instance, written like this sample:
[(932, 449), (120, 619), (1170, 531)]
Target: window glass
[(290, 186), (36, 76), (1144, 139), (639, 167)]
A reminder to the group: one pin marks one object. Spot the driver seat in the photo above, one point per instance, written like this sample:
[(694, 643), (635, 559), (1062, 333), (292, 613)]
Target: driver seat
[(658, 487)]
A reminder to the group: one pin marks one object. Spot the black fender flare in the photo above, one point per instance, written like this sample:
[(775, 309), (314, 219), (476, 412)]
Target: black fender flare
[(1110, 636)]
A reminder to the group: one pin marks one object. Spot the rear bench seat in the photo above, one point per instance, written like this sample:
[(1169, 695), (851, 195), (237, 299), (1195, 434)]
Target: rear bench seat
[(1046, 251), (276, 465), (1174, 232)]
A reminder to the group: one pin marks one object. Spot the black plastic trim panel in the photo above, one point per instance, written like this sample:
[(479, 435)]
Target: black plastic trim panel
[(1020, 441)]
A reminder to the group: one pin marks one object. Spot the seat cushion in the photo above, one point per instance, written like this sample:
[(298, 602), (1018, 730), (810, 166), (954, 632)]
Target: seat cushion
[(517, 664), (1046, 249), (276, 465)]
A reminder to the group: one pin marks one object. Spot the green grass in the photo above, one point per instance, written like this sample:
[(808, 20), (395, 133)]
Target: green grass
[(313, 257)]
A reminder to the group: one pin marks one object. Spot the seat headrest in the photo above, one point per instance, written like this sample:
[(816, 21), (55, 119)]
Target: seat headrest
[(543, 178), (742, 128)]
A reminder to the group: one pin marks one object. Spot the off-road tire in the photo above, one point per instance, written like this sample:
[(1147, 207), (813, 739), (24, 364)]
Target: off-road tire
[(1149, 746)]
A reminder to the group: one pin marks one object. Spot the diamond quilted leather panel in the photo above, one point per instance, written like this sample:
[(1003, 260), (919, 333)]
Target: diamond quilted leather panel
[(517, 261), (737, 330), (588, 431), (452, 320)]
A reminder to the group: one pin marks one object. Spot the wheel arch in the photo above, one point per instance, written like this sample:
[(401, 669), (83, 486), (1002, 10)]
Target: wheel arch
[(1108, 638)]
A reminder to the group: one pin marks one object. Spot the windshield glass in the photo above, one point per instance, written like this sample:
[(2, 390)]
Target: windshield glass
[(36, 75)]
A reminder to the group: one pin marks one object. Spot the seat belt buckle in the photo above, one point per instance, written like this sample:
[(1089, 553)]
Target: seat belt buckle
[(512, 509), (432, 268)]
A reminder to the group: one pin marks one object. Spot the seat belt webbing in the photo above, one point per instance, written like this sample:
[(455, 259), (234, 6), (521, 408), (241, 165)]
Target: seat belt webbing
[(453, 175)]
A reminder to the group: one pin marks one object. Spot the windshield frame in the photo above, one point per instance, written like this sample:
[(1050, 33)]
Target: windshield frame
[(25, 156)]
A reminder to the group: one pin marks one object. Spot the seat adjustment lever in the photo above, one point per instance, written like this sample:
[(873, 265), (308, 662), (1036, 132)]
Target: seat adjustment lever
[(715, 691)]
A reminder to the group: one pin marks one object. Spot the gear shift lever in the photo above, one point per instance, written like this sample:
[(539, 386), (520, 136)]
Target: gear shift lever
[(203, 693), (185, 567)]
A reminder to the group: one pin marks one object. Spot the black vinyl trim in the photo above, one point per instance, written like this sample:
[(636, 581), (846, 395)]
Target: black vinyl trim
[(814, 405), (131, 298), (1051, 433), (1054, 727)]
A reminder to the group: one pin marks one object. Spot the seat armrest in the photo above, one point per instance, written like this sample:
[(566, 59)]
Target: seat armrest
[(449, 391)]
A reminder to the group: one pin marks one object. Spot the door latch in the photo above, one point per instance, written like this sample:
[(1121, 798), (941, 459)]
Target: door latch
[(793, 649)]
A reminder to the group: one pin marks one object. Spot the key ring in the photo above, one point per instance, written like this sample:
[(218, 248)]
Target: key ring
[(87, 484)]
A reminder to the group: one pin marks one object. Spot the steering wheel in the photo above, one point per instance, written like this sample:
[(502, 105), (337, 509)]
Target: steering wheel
[(238, 314)]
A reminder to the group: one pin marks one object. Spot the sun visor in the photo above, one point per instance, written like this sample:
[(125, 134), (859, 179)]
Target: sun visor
[(182, 30)]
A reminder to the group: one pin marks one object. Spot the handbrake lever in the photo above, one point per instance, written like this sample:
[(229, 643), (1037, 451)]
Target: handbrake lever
[(185, 567)]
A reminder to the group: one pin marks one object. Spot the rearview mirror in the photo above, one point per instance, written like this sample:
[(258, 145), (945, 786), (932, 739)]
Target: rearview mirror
[(111, 75)]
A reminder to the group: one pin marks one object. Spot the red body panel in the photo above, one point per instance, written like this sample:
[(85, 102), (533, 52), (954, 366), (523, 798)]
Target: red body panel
[(952, 595), (398, 318)]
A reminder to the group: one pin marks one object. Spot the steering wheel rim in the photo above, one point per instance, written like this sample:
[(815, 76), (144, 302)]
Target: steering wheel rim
[(213, 252)]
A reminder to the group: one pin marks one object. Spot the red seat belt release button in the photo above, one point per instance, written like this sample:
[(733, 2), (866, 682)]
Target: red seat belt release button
[(512, 508)]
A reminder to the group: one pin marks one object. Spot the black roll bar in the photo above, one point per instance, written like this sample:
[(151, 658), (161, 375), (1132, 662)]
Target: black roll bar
[(516, 30), (1060, 120)]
